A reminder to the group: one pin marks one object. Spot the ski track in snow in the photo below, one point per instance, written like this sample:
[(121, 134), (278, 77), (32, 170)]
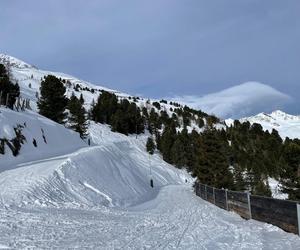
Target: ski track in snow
[(175, 219), (99, 197)]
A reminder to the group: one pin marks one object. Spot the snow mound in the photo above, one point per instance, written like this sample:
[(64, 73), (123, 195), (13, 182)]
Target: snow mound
[(52, 139), (115, 173)]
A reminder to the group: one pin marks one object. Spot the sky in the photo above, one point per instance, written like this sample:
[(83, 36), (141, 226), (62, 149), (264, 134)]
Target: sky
[(163, 48)]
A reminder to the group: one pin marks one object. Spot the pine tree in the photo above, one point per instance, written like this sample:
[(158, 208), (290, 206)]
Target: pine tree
[(8, 89), (166, 142), (53, 101), (290, 175), (105, 107), (119, 122), (77, 118), (150, 146), (213, 165), (81, 99)]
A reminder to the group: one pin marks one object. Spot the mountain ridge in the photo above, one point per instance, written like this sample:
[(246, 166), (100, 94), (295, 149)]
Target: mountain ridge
[(287, 125)]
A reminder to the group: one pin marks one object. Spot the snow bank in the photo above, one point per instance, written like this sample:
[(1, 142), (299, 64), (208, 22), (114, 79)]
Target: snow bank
[(116, 173), (59, 140)]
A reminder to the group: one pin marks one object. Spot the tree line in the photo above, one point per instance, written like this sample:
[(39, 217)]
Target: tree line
[(239, 157)]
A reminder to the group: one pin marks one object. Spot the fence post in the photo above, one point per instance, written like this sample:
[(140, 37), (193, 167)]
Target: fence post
[(298, 215), (214, 196), (6, 102), (249, 205), (199, 189), (205, 192), (226, 199)]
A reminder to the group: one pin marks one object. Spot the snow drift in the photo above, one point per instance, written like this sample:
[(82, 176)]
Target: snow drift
[(66, 172), (52, 139)]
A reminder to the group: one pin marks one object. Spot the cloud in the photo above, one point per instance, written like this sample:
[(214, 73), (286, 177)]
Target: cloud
[(239, 101)]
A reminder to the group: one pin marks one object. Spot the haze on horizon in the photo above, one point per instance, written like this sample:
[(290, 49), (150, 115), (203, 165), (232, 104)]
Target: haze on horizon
[(161, 48)]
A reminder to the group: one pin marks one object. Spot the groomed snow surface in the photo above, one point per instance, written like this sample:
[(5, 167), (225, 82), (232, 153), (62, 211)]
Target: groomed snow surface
[(99, 197)]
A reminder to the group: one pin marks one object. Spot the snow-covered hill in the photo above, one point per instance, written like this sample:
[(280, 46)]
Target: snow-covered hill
[(51, 139), (286, 125), (29, 79), (63, 170), (65, 194)]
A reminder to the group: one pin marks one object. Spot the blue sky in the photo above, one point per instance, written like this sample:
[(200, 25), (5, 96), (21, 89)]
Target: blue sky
[(160, 48)]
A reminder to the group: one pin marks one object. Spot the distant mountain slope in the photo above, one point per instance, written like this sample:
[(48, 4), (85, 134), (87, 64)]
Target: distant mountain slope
[(29, 78), (286, 125)]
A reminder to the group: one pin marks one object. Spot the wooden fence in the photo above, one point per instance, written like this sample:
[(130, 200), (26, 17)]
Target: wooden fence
[(281, 213)]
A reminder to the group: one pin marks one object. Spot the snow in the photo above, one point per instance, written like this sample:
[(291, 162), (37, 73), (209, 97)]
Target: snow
[(174, 219), (276, 189), (65, 194), (99, 197), (286, 125), (59, 139)]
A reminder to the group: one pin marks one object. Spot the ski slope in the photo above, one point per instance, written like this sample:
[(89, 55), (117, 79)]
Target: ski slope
[(115, 171), (174, 219), (64, 194), (99, 197)]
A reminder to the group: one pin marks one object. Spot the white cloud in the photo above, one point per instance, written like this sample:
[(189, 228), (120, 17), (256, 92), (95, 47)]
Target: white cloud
[(239, 101)]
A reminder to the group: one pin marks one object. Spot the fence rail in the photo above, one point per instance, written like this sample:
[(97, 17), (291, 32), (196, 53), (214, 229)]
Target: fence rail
[(281, 213)]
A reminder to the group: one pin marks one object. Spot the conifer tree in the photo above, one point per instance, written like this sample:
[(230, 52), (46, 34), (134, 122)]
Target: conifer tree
[(81, 99), (150, 146), (290, 175), (8, 89), (105, 107), (166, 142), (213, 165), (53, 101), (77, 118)]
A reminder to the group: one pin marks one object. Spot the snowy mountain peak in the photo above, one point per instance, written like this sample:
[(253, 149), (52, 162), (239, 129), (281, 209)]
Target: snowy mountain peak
[(287, 125), (274, 116), (285, 116), (14, 62)]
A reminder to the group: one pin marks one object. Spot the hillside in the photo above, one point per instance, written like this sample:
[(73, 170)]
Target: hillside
[(29, 79), (51, 138), (57, 191), (66, 172)]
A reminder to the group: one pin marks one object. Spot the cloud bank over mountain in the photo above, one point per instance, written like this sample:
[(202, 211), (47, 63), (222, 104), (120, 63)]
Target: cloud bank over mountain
[(239, 101)]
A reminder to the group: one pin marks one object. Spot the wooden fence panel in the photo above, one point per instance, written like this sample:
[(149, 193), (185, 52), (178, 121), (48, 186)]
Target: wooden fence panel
[(210, 194), (202, 191), (280, 213), (220, 198), (238, 202)]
